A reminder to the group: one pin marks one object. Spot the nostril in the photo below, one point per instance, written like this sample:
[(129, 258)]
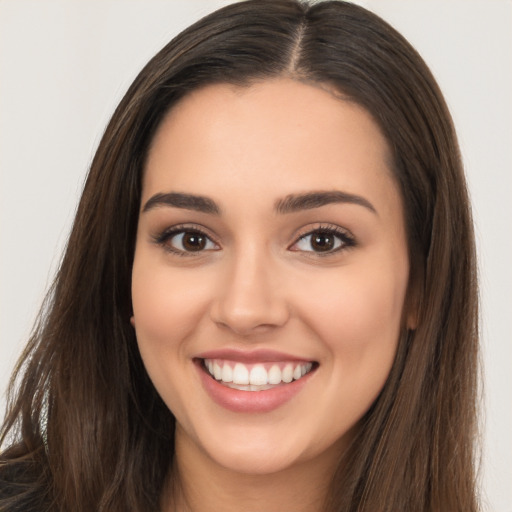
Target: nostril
[(251, 316)]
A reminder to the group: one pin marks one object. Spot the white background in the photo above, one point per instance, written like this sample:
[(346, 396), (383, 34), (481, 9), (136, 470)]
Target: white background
[(65, 64)]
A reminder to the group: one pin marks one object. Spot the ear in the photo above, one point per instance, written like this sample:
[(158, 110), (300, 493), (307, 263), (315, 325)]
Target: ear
[(412, 303), (132, 321), (411, 321)]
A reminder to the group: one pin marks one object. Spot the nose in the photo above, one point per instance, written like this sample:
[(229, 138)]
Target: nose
[(250, 298)]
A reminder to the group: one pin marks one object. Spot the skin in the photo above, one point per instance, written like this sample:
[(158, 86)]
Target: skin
[(259, 283)]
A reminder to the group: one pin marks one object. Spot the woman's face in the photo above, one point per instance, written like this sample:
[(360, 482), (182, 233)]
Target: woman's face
[(271, 252)]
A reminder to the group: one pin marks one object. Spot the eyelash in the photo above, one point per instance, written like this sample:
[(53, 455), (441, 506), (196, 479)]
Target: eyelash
[(165, 236), (345, 238)]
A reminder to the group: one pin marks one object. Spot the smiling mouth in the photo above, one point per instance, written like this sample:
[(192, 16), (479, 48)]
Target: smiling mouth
[(258, 376)]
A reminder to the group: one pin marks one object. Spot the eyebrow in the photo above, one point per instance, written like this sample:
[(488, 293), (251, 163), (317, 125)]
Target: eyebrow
[(296, 202), (185, 201), (289, 204)]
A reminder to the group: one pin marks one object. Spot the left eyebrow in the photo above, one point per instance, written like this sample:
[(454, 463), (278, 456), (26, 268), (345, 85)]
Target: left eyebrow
[(308, 201), (185, 201)]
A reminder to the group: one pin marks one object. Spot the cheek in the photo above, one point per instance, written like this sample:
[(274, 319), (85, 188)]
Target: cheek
[(357, 314), (358, 321), (166, 304)]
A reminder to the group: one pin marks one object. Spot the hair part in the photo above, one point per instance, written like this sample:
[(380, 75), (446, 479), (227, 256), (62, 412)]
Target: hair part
[(86, 428)]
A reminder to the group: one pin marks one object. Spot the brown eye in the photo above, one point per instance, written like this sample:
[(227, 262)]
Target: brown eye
[(193, 241), (187, 242), (321, 242)]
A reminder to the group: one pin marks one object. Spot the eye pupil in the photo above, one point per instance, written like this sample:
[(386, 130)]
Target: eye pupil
[(322, 242), (194, 241)]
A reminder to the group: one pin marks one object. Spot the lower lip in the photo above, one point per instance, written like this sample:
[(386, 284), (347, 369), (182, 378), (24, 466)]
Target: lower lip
[(250, 401)]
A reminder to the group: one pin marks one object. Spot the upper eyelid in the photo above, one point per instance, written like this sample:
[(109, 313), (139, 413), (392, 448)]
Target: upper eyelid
[(326, 227), (181, 228)]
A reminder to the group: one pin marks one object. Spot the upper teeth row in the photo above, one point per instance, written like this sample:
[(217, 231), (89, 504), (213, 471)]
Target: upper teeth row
[(256, 375)]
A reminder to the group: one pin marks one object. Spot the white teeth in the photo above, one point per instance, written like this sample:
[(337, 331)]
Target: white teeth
[(227, 373), (256, 378), (274, 375), (240, 374), (287, 375), (217, 371)]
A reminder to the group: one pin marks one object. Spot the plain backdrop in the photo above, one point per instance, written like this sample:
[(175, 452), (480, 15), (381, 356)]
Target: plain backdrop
[(64, 64)]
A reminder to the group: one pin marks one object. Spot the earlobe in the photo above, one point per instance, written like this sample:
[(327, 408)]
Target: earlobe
[(132, 321), (413, 302), (412, 311), (412, 321)]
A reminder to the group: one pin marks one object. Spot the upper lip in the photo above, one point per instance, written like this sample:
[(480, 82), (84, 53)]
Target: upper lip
[(250, 356)]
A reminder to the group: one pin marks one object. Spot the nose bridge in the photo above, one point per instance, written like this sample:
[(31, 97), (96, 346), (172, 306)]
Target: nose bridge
[(249, 295)]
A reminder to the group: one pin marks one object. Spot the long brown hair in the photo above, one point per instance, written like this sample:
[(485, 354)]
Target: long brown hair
[(85, 429)]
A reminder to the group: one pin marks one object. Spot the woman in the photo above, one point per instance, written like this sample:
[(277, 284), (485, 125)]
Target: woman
[(268, 300)]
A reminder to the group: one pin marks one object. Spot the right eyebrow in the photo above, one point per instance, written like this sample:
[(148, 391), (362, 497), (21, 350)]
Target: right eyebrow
[(181, 200), (308, 201)]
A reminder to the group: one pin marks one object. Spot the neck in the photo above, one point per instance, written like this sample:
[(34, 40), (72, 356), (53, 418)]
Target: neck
[(198, 484)]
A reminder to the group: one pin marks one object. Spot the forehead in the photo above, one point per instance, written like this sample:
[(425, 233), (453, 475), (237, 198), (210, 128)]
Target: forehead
[(268, 138)]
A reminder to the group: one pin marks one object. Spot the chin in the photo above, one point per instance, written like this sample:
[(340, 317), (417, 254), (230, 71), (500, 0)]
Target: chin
[(268, 449), (254, 461)]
